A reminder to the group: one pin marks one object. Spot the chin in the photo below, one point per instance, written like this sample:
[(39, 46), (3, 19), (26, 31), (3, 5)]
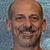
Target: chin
[(26, 42)]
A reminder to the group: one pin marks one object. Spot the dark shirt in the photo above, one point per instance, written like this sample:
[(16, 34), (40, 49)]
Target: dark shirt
[(11, 49)]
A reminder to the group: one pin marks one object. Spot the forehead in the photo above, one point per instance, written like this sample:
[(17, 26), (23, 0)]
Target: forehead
[(25, 7)]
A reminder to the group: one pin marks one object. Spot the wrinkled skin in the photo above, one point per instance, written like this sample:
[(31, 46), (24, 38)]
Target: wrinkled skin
[(26, 23)]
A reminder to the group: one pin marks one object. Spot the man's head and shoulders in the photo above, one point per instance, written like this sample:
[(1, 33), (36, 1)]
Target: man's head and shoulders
[(26, 22)]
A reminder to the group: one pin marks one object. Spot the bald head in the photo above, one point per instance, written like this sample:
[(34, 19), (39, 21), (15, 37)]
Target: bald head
[(23, 5), (26, 18)]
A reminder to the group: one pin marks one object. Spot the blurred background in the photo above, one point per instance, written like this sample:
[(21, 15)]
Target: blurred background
[(6, 37)]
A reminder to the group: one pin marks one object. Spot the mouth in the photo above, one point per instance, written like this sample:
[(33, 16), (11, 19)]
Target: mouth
[(27, 35)]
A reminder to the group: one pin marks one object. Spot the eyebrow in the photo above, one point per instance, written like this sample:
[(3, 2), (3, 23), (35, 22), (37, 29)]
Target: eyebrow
[(29, 15), (35, 15), (19, 15)]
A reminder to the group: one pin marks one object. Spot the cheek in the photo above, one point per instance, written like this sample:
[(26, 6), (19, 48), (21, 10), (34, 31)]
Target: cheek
[(38, 27), (37, 35), (15, 26), (37, 24), (18, 24)]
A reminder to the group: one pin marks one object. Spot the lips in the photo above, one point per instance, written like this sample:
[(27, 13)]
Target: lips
[(27, 35), (26, 32)]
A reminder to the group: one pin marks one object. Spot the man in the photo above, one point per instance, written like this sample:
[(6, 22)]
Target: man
[(25, 21)]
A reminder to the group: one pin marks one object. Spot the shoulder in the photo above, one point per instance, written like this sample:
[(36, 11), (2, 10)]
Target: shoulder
[(10, 49)]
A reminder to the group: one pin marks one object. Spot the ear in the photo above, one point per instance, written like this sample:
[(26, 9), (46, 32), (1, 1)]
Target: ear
[(44, 25), (8, 24)]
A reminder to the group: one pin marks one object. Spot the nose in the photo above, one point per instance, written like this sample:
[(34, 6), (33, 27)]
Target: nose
[(28, 23)]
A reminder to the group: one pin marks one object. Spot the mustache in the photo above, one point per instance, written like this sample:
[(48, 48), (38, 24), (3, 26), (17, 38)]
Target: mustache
[(27, 29)]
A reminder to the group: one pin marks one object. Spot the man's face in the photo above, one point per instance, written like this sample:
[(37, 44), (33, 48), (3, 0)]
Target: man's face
[(26, 24)]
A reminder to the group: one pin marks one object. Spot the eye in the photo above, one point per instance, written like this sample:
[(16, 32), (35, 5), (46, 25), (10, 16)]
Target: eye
[(35, 19), (19, 18)]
